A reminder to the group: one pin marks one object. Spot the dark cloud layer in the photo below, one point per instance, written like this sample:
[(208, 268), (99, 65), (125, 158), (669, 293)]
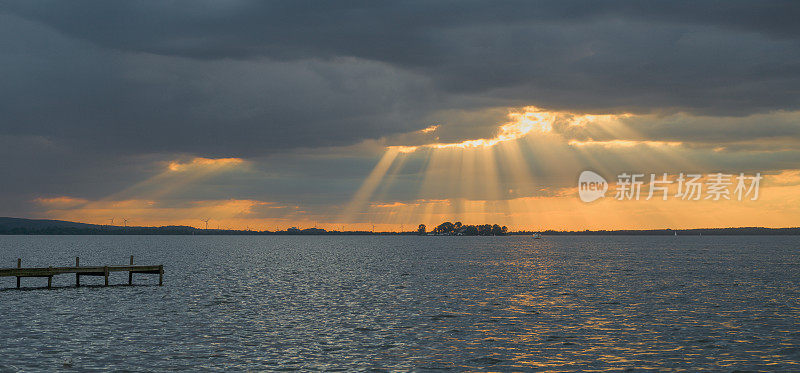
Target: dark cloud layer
[(254, 77), (113, 101), (702, 56), (123, 81)]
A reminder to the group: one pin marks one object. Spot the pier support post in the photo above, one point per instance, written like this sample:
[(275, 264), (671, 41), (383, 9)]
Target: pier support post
[(130, 273), (49, 281), (77, 275), (19, 265), (105, 273), (161, 275)]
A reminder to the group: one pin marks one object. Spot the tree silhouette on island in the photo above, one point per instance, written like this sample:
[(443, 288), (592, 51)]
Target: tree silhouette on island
[(458, 229)]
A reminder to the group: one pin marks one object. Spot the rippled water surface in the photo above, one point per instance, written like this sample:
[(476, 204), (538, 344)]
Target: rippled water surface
[(407, 303)]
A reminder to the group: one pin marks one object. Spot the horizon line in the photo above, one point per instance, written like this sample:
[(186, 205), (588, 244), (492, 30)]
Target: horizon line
[(301, 229)]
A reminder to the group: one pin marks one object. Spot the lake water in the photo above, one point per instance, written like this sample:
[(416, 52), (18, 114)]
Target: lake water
[(407, 303)]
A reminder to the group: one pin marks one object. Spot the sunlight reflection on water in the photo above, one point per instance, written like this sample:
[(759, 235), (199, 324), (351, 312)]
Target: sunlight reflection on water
[(409, 303)]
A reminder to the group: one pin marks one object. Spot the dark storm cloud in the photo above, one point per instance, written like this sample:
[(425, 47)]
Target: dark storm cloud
[(729, 57), (243, 78), (112, 101)]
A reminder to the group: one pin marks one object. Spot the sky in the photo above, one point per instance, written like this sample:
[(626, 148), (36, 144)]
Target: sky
[(343, 115)]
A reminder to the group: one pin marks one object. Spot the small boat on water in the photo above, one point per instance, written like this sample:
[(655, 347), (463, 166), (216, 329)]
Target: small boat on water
[(537, 236)]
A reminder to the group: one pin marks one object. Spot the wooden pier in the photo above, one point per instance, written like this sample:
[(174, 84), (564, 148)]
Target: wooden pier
[(79, 271)]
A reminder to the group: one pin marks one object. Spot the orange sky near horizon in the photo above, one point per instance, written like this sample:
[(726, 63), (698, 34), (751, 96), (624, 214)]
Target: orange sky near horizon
[(505, 179)]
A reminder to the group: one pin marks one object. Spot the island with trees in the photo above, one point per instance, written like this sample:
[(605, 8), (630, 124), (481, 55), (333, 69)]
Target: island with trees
[(458, 229)]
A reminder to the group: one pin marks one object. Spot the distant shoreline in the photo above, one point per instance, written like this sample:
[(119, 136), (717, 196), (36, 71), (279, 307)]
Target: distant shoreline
[(20, 226)]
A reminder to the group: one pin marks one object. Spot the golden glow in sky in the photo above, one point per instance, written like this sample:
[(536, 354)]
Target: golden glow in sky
[(523, 177), (504, 179), (521, 123)]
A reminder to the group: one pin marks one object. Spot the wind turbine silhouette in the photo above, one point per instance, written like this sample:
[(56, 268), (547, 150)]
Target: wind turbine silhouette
[(112, 221), (125, 221), (206, 221)]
